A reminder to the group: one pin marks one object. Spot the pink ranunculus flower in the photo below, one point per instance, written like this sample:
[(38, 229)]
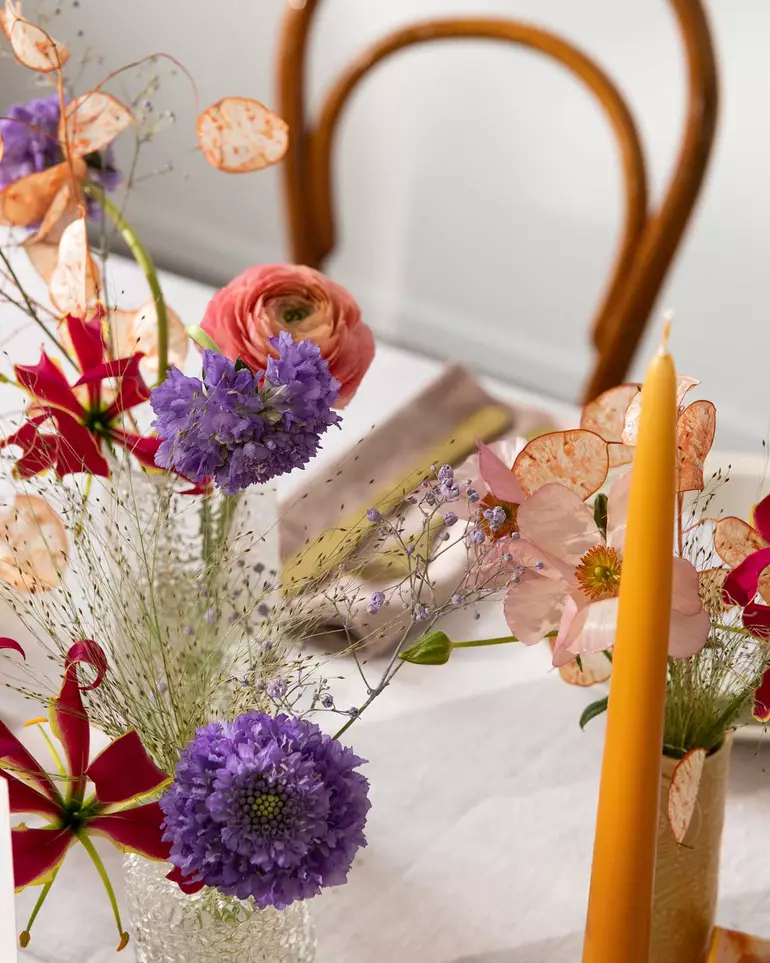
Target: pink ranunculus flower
[(574, 585), (270, 298)]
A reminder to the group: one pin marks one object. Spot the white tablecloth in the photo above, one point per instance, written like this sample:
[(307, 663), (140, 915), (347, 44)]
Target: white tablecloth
[(483, 787)]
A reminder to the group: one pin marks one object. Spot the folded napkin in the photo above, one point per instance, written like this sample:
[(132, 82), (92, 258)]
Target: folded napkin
[(324, 523)]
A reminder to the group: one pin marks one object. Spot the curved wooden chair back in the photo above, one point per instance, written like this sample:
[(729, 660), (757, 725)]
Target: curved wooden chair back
[(649, 238)]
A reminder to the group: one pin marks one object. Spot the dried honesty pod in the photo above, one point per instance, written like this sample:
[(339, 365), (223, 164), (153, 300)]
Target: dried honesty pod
[(75, 282), (132, 331), (710, 582), (238, 135), (576, 459), (684, 383), (33, 544), (26, 201), (92, 122), (730, 946), (596, 668), (31, 45), (683, 792), (695, 432), (606, 416)]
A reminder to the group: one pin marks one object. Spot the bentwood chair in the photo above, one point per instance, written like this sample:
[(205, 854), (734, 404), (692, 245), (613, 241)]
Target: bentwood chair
[(650, 238)]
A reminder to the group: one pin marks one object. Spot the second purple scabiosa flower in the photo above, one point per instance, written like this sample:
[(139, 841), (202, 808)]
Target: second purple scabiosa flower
[(241, 427)]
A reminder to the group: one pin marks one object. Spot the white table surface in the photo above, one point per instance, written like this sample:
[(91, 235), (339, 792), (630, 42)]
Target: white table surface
[(483, 786)]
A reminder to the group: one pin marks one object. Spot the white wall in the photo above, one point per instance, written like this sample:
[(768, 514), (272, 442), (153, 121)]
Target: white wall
[(478, 185)]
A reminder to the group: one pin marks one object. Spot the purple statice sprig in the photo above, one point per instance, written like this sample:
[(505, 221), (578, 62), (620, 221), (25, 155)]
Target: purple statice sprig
[(268, 808), (240, 427)]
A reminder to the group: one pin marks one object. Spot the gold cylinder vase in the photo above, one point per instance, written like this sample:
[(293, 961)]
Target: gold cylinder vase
[(687, 875)]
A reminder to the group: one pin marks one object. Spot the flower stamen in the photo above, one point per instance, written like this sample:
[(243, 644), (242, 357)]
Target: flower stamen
[(598, 573), (488, 515)]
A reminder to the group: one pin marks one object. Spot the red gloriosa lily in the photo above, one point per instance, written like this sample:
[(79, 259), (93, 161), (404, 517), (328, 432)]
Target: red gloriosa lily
[(84, 419), (735, 540), (742, 584), (119, 776)]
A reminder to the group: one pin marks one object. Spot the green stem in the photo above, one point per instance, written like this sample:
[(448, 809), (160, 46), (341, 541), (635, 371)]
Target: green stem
[(477, 642), (142, 257), (731, 628), (97, 861), (24, 937), (503, 640)]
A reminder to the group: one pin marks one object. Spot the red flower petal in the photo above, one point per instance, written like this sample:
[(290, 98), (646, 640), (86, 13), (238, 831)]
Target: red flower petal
[(46, 383), (143, 449), (68, 717), (131, 390), (762, 518), (136, 830), (741, 584), (37, 853), (12, 644), (14, 756), (78, 450), (87, 340), (124, 770), (761, 711), (25, 799), (756, 618), (188, 884), (39, 451)]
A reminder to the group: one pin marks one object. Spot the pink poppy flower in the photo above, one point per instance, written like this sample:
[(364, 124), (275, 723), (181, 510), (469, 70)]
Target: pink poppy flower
[(574, 585)]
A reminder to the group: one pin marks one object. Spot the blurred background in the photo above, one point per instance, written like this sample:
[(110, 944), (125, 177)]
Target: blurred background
[(478, 186)]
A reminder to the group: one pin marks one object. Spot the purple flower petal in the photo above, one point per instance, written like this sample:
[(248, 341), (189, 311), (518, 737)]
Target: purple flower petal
[(268, 808)]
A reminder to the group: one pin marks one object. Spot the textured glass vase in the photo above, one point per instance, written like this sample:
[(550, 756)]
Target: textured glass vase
[(687, 876), (169, 927), (192, 580)]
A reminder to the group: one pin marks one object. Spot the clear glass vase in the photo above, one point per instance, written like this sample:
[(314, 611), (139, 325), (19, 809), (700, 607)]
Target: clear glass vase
[(190, 582), (166, 926)]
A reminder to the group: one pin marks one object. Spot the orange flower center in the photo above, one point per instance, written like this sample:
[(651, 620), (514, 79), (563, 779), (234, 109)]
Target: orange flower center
[(509, 525), (598, 573)]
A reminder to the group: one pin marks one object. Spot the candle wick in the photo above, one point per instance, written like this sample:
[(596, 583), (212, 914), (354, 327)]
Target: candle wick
[(668, 318)]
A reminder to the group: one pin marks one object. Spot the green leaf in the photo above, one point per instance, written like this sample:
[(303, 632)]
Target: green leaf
[(600, 513), (240, 365), (198, 335), (433, 648), (592, 711)]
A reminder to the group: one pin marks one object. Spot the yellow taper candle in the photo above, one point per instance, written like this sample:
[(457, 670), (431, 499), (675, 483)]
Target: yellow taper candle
[(620, 901)]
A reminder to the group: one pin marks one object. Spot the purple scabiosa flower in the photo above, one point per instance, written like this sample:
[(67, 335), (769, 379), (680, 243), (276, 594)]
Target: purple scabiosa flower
[(268, 808), (243, 428)]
